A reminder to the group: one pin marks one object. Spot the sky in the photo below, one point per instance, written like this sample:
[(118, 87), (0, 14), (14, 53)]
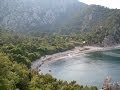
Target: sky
[(107, 3)]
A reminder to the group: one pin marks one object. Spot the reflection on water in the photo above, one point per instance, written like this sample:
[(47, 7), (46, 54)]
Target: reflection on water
[(90, 69)]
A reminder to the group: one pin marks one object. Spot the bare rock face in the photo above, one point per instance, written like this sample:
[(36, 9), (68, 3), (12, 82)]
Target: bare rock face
[(35, 14), (61, 16)]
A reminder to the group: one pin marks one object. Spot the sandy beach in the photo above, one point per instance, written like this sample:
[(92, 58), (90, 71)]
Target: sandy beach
[(69, 54)]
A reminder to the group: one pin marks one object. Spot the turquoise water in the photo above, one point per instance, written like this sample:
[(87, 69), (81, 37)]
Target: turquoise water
[(90, 69)]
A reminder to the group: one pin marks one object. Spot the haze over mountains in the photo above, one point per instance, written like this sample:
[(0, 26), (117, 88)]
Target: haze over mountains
[(36, 14), (61, 16)]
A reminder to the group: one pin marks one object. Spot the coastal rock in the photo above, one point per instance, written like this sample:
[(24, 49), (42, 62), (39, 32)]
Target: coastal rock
[(109, 41)]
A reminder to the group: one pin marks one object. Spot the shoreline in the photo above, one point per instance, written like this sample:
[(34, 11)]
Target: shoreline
[(69, 54)]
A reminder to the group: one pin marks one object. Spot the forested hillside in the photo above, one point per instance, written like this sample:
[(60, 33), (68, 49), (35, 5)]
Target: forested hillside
[(30, 29), (100, 25), (17, 51), (65, 17)]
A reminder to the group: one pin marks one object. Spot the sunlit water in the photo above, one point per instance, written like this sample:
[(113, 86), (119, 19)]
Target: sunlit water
[(90, 69)]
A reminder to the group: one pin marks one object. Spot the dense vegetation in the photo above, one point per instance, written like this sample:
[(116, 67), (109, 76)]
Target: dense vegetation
[(34, 29), (17, 51), (62, 17), (26, 48)]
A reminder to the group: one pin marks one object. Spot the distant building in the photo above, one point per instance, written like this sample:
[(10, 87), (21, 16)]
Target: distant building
[(84, 42)]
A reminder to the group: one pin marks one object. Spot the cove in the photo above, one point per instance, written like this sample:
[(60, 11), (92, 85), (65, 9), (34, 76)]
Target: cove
[(87, 69)]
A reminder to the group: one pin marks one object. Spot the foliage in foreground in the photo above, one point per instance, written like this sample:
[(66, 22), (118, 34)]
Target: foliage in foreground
[(16, 54), (18, 76)]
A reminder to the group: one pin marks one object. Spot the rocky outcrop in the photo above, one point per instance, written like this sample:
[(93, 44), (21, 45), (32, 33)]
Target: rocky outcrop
[(36, 14)]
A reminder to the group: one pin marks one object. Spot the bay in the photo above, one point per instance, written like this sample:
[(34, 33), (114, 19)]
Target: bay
[(88, 69)]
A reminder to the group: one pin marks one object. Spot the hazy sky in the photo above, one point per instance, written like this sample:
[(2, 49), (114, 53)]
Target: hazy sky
[(107, 3)]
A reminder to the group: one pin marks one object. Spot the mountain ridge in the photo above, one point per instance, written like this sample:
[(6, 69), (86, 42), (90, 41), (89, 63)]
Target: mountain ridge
[(101, 24), (26, 14)]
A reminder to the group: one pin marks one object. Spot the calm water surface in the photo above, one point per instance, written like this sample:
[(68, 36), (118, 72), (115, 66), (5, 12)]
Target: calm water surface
[(90, 69)]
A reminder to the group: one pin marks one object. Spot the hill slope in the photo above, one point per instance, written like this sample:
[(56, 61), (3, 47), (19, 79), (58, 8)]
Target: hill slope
[(39, 15), (101, 25)]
